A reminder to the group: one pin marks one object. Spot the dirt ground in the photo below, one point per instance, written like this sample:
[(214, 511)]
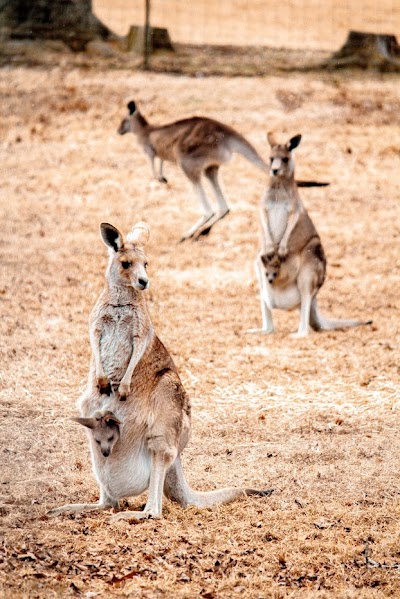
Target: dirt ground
[(315, 419)]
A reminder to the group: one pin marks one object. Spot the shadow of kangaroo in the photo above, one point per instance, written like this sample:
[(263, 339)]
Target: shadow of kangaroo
[(291, 265), (199, 145), (143, 436)]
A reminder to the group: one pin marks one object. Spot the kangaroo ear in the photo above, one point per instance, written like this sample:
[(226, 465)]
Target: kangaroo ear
[(111, 236), (110, 418), (294, 142), (266, 259), (271, 139), (88, 422), (131, 107), (140, 234)]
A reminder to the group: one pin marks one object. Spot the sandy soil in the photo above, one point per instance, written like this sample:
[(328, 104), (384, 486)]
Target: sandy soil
[(315, 419)]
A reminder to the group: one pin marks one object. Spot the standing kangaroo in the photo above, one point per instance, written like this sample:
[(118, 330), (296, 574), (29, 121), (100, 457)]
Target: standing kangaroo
[(291, 266), (135, 444), (199, 145)]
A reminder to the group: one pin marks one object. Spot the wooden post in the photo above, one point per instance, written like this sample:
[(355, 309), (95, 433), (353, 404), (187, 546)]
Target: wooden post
[(147, 34)]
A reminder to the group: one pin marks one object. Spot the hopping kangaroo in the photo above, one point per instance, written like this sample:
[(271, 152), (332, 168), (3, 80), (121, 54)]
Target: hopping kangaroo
[(136, 444), (199, 145), (291, 266)]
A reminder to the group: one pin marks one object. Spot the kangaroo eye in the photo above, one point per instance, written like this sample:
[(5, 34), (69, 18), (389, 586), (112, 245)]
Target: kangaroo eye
[(146, 264), (98, 442), (126, 264), (271, 160), (285, 160), (111, 438)]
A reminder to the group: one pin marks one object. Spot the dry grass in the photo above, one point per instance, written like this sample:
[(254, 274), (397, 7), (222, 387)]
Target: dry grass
[(309, 24), (315, 419)]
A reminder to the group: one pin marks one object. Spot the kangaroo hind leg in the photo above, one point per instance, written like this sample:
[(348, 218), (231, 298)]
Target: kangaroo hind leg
[(104, 502), (307, 286), (160, 462), (266, 312), (211, 173), (193, 172)]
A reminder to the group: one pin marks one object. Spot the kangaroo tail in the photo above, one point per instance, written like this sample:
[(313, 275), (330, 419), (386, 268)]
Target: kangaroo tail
[(320, 323), (177, 488), (240, 145), (311, 184)]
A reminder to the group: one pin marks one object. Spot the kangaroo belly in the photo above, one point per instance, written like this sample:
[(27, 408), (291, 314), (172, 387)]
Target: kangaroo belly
[(116, 346), (287, 298), (283, 293), (124, 475)]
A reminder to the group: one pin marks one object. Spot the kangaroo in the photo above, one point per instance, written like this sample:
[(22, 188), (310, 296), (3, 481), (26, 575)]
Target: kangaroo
[(154, 422), (272, 266), (105, 429), (291, 265), (199, 145)]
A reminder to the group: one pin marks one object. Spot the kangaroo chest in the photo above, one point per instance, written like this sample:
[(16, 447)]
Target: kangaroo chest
[(278, 216), (279, 203), (117, 342)]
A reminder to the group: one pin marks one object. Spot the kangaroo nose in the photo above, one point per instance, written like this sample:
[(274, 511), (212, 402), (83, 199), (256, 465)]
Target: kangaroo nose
[(143, 283), (274, 171), (105, 452)]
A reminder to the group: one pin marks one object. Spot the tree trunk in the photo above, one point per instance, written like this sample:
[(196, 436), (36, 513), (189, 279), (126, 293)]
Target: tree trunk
[(71, 21), (367, 50)]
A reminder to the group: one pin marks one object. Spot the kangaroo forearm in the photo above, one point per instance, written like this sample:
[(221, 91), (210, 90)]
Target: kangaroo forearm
[(268, 242), (137, 354), (95, 345), (292, 222), (134, 361)]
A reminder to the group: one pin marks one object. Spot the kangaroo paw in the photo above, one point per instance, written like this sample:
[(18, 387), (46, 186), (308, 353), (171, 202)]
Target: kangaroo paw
[(104, 385)]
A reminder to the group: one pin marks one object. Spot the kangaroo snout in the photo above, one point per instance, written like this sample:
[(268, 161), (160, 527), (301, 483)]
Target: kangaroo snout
[(124, 127), (143, 283)]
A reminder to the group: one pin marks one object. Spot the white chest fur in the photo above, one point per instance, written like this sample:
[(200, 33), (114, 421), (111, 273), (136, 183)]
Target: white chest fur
[(279, 202), (278, 215)]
